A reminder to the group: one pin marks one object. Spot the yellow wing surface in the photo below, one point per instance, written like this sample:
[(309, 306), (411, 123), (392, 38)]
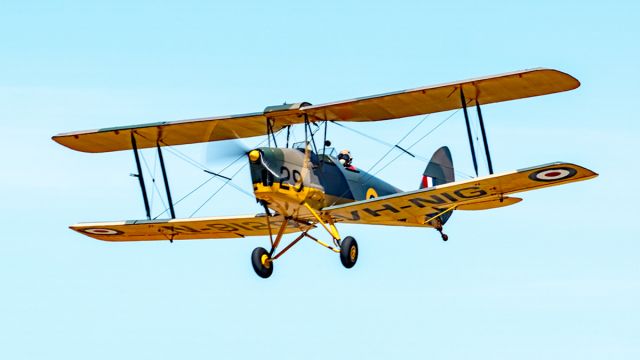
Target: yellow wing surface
[(414, 208), (443, 97), (424, 100), (187, 229)]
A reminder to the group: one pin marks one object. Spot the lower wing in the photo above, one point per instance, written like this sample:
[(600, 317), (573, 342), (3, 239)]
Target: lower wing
[(188, 229), (417, 208)]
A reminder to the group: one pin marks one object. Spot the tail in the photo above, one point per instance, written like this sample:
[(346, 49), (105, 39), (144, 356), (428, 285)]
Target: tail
[(440, 169), (438, 172)]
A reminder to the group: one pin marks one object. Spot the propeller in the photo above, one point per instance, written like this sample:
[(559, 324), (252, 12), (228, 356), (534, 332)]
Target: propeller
[(225, 151)]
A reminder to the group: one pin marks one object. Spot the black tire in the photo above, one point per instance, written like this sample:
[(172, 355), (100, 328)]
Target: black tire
[(263, 268), (348, 252)]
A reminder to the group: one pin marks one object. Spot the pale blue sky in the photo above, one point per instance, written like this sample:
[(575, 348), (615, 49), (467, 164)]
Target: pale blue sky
[(555, 276)]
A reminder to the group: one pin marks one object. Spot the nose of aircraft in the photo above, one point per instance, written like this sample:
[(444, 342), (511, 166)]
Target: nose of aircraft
[(254, 155), (263, 164)]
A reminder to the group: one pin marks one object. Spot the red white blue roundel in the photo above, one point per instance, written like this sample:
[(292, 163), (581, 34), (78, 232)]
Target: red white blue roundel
[(102, 231), (553, 174)]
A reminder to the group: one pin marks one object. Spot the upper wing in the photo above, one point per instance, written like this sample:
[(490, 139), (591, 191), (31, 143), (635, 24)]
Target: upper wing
[(415, 207), (186, 229), (425, 100), (165, 133), (443, 97)]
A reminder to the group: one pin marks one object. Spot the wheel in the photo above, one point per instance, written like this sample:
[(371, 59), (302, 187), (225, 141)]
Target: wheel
[(348, 252), (262, 263)]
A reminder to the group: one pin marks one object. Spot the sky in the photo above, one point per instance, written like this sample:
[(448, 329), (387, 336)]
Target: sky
[(555, 276)]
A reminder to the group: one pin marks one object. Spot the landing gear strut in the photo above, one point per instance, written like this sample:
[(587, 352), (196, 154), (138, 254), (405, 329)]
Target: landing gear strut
[(262, 260), (436, 222), (348, 246)]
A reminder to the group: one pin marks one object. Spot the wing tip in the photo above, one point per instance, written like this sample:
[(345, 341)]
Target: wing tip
[(572, 82)]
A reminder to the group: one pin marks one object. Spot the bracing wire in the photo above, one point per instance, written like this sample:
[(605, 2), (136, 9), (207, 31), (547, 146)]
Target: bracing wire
[(187, 195), (192, 162), (371, 176), (219, 189), (153, 180), (422, 138), (379, 141), (203, 167), (229, 181), (363, 134), (398, 143)]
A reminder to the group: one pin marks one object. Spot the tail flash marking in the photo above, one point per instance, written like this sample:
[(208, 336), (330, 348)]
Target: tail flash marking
[(427, 181)]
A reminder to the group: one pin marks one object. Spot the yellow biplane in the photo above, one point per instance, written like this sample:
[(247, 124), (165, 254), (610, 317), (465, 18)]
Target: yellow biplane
[(304, 186)]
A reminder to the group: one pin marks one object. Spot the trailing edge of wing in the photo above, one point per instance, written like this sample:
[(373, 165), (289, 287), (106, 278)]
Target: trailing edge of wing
[(415, 207), (185, 229), (419, 101)]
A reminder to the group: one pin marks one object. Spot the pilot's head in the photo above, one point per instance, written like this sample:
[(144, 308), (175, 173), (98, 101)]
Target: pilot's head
[(345, 157)]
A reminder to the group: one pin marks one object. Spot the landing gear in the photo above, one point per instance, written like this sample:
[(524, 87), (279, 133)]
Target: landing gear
[(438, 221), (348, 252), (444, 236), (262, 262)]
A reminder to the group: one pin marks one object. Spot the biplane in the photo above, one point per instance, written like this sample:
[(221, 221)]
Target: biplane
[(305, 186)]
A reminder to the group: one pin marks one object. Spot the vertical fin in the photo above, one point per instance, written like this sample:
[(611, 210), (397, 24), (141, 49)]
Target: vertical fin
[(440, 169)]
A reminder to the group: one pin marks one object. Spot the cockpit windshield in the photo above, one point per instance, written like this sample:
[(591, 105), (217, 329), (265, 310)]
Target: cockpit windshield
[(328, 151)]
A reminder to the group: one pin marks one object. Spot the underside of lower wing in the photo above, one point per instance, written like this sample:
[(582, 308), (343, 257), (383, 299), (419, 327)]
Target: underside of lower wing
[(188, 229), (419, 207)]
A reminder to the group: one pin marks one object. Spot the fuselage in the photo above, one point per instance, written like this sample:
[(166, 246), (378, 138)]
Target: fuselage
[(284, 178)]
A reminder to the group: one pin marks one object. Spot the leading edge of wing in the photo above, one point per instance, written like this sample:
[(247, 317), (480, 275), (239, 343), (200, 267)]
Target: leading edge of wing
[(413, 206), (221, 227)]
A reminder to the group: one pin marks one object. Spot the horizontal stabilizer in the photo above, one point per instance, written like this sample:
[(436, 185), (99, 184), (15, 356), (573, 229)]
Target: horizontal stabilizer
[(417, 207)]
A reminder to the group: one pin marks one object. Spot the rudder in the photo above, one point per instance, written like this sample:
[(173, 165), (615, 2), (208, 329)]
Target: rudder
[(439, 170)]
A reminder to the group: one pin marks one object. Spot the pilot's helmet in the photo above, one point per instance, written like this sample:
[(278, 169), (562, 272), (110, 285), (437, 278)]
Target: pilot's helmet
[(345, 157)]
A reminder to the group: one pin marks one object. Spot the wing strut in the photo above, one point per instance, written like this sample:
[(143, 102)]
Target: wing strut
[(463, 100), (482, 130), (484, 138), (140, 176), (166, 183)]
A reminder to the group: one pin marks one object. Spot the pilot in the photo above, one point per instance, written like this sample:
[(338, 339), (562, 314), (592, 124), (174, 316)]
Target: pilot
[(345, 158)]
